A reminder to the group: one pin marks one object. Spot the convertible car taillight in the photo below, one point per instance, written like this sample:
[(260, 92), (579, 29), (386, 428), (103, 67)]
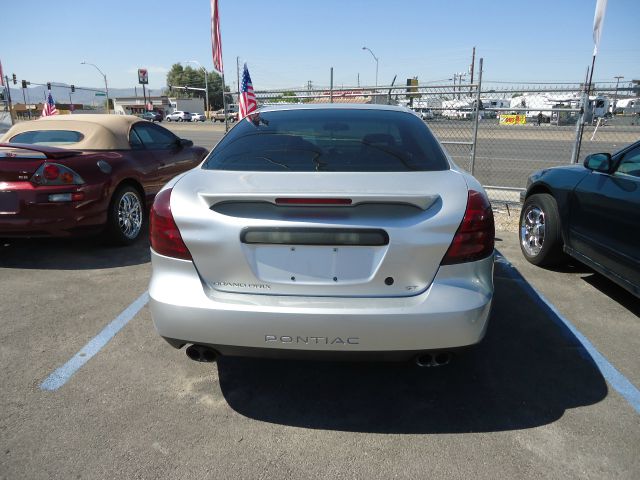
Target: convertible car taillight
[(55, 174), (164, 234), (475, 236)]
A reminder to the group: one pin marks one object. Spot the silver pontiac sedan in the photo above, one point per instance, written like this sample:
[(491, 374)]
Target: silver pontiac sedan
[(335, 230)]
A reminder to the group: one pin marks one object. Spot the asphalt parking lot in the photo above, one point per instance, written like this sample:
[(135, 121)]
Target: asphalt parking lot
[(531, 401)]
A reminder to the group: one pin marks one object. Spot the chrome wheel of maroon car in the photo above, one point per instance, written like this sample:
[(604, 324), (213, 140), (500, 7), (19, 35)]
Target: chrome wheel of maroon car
[(130, 215)]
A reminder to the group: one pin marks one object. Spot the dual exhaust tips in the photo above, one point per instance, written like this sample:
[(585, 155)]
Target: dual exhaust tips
[(435, 359), (201, 353)]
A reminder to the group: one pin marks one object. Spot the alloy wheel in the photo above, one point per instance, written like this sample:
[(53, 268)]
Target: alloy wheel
[(130, 215), (532, 230)]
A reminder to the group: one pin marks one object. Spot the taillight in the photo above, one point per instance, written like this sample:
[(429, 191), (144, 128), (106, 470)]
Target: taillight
[(55, 174), (475, 236), (164, 234)]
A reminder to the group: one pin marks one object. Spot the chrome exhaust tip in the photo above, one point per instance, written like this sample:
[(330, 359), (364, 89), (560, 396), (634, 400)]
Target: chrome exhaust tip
[(438, 359), (200, 353)]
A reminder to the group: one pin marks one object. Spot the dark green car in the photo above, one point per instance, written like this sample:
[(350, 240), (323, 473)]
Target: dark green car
[(590, 212)]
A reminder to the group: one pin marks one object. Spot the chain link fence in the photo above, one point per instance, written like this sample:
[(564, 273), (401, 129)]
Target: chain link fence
[(502, 132)]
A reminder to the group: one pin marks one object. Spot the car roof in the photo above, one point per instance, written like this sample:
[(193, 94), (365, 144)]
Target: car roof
[(335, 106), (100, 131)]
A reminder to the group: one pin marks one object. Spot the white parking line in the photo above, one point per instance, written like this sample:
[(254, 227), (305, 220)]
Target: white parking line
[(62, 374), (616, 379)]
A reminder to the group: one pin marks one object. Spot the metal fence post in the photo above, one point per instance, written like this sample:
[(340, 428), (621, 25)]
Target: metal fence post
[(331, 87), (476, 121)]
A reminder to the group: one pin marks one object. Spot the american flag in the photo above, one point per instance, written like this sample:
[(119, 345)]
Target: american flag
[(49, 107), (216, 39), (248, 102)]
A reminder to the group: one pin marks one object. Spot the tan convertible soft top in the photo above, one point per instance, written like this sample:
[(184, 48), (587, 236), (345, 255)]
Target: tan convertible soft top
[(100, 131)]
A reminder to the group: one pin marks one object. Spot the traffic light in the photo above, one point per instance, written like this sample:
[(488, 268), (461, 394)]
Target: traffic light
[(73, 88), (15, 80), (48, 85), (24, 84)]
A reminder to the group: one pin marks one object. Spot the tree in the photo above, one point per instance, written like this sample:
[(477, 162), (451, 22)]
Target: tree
[(179, 76)]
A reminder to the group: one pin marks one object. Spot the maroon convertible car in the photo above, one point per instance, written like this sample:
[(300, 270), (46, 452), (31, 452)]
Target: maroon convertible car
[(74, 174)]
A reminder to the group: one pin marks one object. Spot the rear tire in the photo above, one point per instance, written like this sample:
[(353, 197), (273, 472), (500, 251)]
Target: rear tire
[(539, 231), (125, 217)]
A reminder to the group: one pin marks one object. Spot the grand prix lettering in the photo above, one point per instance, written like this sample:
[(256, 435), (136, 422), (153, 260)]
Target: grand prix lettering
[(312, 340)]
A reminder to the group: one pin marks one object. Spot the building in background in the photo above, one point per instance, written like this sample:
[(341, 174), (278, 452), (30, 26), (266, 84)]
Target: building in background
[(136, 105), (161, 104)]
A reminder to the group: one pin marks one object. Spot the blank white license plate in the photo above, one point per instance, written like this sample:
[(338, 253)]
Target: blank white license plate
[(314, 264)]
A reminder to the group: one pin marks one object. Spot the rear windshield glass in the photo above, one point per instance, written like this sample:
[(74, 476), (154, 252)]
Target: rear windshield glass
[(329, 140), (48, 137)]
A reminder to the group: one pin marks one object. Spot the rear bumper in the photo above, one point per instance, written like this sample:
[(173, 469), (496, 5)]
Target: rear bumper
[(35, 216), (453, 312)]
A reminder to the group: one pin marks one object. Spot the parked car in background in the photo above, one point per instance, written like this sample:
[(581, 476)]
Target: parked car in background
[(152, 116), (425, 113), (331, 230), (198, 117), (78, 174), (179, 116), (590, 212), (218, 116)]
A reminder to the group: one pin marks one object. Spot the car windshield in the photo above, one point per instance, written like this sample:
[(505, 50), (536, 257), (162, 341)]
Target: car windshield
[(329, 140)]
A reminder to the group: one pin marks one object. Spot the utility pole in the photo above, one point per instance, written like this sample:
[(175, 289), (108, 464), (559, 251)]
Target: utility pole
[(460, 76), (455, 76), (472, 67), (6, 84), (238, 77), (615, 96)]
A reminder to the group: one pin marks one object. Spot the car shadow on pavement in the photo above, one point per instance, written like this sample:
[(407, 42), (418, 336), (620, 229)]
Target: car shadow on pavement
[(71, 253), (527, 372)]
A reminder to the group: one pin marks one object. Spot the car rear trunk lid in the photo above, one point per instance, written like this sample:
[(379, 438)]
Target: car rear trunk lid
[(389, 241), (18, 162)]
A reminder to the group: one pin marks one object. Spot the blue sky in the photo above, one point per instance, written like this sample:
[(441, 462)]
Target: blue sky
[(286, 43)]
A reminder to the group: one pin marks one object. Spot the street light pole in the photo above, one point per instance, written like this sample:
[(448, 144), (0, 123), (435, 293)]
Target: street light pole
[(376, 59), (106, 86), (615, 96), (206, 85)]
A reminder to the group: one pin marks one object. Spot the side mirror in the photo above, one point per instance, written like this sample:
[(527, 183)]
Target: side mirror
[(599, 162), (184, 143)]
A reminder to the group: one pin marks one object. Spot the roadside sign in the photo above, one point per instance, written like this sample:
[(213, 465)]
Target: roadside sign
[(100, 94), (513, 119), (143, 76)]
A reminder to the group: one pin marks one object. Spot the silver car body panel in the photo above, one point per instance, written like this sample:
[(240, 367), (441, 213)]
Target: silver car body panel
[(420, 211), (451, 313)]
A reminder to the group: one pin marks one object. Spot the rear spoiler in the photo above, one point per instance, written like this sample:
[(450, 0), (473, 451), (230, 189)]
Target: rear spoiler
[(51, 153), (423, 202)]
